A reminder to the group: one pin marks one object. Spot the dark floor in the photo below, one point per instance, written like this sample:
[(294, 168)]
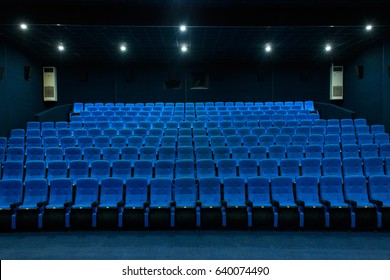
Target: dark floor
[(192, 245)]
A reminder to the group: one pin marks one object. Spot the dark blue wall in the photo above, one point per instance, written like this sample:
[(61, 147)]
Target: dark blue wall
[(19, 99), (370, 96), (233, 82)]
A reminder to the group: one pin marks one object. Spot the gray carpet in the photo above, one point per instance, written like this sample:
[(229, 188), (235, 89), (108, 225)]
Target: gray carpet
[(187, 245)]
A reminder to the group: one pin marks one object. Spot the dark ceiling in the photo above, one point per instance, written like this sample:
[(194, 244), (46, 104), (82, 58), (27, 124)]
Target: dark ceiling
[(220, 30)]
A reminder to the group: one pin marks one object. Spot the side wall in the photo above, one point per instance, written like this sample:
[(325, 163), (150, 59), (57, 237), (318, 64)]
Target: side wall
[(20, 99), (369, 96)]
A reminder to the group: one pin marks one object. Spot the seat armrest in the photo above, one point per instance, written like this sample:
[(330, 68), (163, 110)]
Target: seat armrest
[(146, 204), (377, 202), (249, 203), (325, 202), (275, 203), (120, 204), (172, 203), (224, 203), (300, 202), (15, 205), (42, 204), (351, 202), (95, 203), (198, 203), (68, 204)]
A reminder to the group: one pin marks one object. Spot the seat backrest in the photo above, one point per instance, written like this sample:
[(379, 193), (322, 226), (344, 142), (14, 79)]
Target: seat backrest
[(379, 188), (11, 191), (311, 167), (136, 192), (352, 166), (369, 150), (60, 191), (185, 153), (331, 166), (143, 169), (210, 191), (160, 192), (35, 190), (15, 154), (35, 169), (57, 169), (331, 189), (227, 168), (73, 153), (86, 192), (234, 191), (282, 189), (184, 168), (78, 169), (289, 167), (331, 150), (247, 168), (373, 166), (355, 188), (111, 191), (185, 192), (13, 170), (164, 169), (100, 169), (259, 191), (205, 168), (307, 189), (350, 150), (268, 168)]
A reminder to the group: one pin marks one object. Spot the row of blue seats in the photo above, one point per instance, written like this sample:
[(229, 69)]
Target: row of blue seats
[(259, 203), (187, 151), (307, 131), (364, 142), (75, 168), (303, 104), (193, 118)]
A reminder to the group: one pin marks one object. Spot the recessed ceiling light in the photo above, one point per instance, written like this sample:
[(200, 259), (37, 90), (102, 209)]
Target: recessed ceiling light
[(184, 48), (328, 48), (268, 47), (61, 47), (369, 27), (23, 26), (123, 47), (183, 28)]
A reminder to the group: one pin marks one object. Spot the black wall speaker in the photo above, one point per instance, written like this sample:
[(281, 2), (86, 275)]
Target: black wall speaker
[(360, 71), (1, 72), (27, 72)]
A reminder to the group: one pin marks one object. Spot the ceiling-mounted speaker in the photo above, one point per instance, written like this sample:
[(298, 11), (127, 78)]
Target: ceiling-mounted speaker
[(360, 71), (1, 72), (27, 72)]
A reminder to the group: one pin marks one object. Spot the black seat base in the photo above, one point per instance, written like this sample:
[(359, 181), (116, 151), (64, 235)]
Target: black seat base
[(385, 218), (185, 218), (288, 218), (340, 218), (81, 218), (236, 217), (107, 218), (211, 218), (54, 219), (6, 220), (262, 218), (27, 219), (133, 218), (366, 218), (160, 218), (314, 218)]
